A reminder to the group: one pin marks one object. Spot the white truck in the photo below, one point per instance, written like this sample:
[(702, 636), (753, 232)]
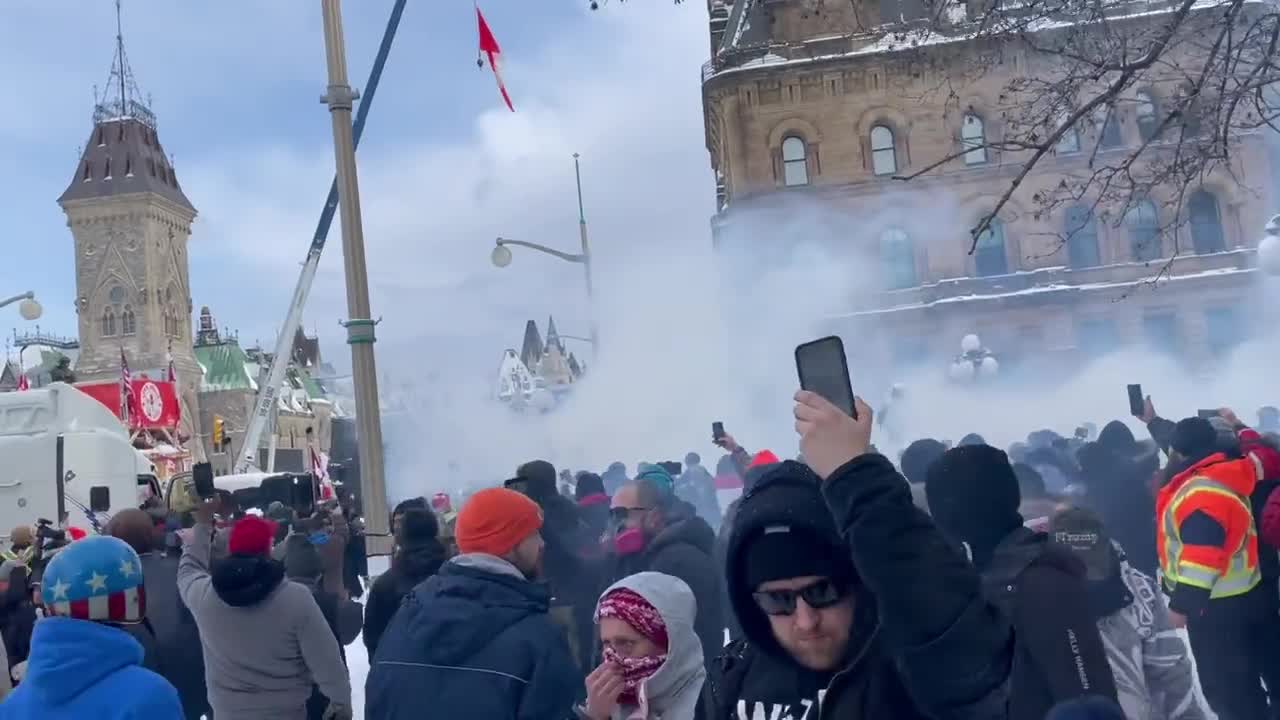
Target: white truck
[(65, 457)]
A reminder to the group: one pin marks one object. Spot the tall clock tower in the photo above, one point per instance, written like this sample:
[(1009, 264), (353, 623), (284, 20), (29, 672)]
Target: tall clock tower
[(130, 222)]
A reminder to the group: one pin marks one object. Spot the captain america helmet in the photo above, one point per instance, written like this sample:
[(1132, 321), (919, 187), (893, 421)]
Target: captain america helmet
[(98, 578)]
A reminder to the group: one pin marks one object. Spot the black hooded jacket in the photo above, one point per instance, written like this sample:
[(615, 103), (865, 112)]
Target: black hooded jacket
[(1041, 587), (409, 567), (925, 642), (684, 549), (1117, 478)]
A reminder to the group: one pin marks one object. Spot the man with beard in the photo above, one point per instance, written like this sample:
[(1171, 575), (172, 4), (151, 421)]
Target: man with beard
[(475, 639), (852, 604), (655, 531)]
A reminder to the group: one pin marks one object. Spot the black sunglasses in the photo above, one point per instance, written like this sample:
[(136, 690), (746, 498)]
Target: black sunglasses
[(619, 514), (819, 595)]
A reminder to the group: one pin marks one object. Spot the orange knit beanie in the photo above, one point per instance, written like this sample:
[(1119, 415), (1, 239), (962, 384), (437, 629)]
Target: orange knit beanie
[(495, 521)]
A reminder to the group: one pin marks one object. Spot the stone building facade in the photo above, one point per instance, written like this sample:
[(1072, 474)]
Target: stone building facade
[(130, 222), (813, 103)]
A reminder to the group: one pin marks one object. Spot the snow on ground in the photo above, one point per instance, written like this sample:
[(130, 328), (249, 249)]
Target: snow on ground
[(357, 654)]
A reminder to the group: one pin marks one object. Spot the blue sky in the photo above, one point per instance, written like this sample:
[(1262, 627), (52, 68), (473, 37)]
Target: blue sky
[(444, 167)]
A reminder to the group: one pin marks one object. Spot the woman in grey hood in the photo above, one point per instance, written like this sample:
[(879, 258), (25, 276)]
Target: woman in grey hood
[(652, 667)]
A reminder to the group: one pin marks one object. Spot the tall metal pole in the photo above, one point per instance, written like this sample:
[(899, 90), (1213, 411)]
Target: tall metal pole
[(360, 325), (586, 260)]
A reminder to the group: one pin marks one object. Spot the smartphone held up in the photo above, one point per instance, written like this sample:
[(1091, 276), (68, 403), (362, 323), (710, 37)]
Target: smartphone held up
[(824, 369)]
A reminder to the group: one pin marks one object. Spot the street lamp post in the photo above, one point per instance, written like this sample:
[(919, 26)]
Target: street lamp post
[(29, 309), (501, 256), (360, 324)]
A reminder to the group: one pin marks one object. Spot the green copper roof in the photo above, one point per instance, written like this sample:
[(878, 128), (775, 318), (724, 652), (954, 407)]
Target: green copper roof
[(224, 368)]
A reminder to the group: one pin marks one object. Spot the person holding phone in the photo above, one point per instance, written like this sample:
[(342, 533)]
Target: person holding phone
[(852, 603)]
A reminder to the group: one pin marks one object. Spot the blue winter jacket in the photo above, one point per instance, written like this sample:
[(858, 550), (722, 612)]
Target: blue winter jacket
[(473, 641), (80, 670)]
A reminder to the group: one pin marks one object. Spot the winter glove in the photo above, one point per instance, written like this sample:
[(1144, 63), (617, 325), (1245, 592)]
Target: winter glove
[(337, 711)]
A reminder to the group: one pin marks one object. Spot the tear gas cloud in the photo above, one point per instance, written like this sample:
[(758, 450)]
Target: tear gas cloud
[(690, 337)]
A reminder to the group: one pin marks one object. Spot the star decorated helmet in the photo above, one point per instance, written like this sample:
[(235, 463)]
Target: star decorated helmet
[(98, 578)]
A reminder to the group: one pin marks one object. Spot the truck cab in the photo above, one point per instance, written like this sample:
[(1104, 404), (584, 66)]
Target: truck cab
[(66, 456)]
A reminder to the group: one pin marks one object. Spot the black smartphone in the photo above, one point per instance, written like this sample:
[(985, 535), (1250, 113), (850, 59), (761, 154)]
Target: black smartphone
[(303, 496), (824, 369), (717, 431), (1207, 414), (1137, 403), (202, 478)]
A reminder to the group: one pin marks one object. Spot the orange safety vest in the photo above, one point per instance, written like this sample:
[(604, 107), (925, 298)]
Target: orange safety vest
[(1219, 488)]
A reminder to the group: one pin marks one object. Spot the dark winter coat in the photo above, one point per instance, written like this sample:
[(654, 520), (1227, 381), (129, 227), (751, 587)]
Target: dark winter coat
[(593, 510), (170, 634), (1041, 589), (409, 567), (473, 641), (697, 487), (17, 617), (925, 641), (684, 549), (1117, 488)]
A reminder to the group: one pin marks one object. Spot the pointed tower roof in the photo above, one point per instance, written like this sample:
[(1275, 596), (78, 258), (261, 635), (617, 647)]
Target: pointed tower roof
[(531, 350), (123, 155), (553, 337)]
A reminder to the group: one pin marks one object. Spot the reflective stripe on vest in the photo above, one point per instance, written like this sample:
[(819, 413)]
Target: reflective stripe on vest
[(1241, 574)]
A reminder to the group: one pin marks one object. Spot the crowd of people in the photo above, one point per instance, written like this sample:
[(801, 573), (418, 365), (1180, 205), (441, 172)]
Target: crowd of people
[(1061, 578)]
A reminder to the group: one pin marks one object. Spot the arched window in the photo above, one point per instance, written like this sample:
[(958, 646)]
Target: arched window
[(884, 154), (108, 323), (990, 258), (1082, 237), (128, 322), (973, 138), (795, 162), (1070, 140), (1144, 231), (1107, 127), (898, 258), (1206, 223)]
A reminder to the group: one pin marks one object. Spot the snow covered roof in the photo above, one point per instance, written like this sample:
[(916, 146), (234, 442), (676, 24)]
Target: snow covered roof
[(1050, 289), (741, 41)]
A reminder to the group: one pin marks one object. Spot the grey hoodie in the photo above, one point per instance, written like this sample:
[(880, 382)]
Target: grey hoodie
[(674, 690), (260, 657)]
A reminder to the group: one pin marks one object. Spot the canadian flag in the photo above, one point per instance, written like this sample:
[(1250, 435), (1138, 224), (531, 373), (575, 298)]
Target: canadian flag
[(489, 47), (23, 384)]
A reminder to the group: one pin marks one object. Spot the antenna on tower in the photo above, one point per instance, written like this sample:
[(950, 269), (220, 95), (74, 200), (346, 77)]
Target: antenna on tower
[(120, 52), (121, 99)]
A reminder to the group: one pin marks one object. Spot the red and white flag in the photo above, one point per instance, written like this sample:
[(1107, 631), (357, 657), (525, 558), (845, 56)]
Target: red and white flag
[(489, 48), (126, 389)]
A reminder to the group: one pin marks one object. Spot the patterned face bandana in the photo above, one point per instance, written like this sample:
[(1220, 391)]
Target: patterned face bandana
[(631, 608), (635, 670)]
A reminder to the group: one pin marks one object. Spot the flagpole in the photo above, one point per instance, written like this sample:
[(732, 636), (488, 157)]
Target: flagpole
[(360, 323)]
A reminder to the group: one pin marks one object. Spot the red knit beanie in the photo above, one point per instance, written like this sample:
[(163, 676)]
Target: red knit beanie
[(764, 457), (631, 608), (251, 535), (495, 521)]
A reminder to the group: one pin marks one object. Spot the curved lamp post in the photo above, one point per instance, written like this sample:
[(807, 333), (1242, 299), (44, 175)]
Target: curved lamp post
[(501, 255), (30, 308)]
